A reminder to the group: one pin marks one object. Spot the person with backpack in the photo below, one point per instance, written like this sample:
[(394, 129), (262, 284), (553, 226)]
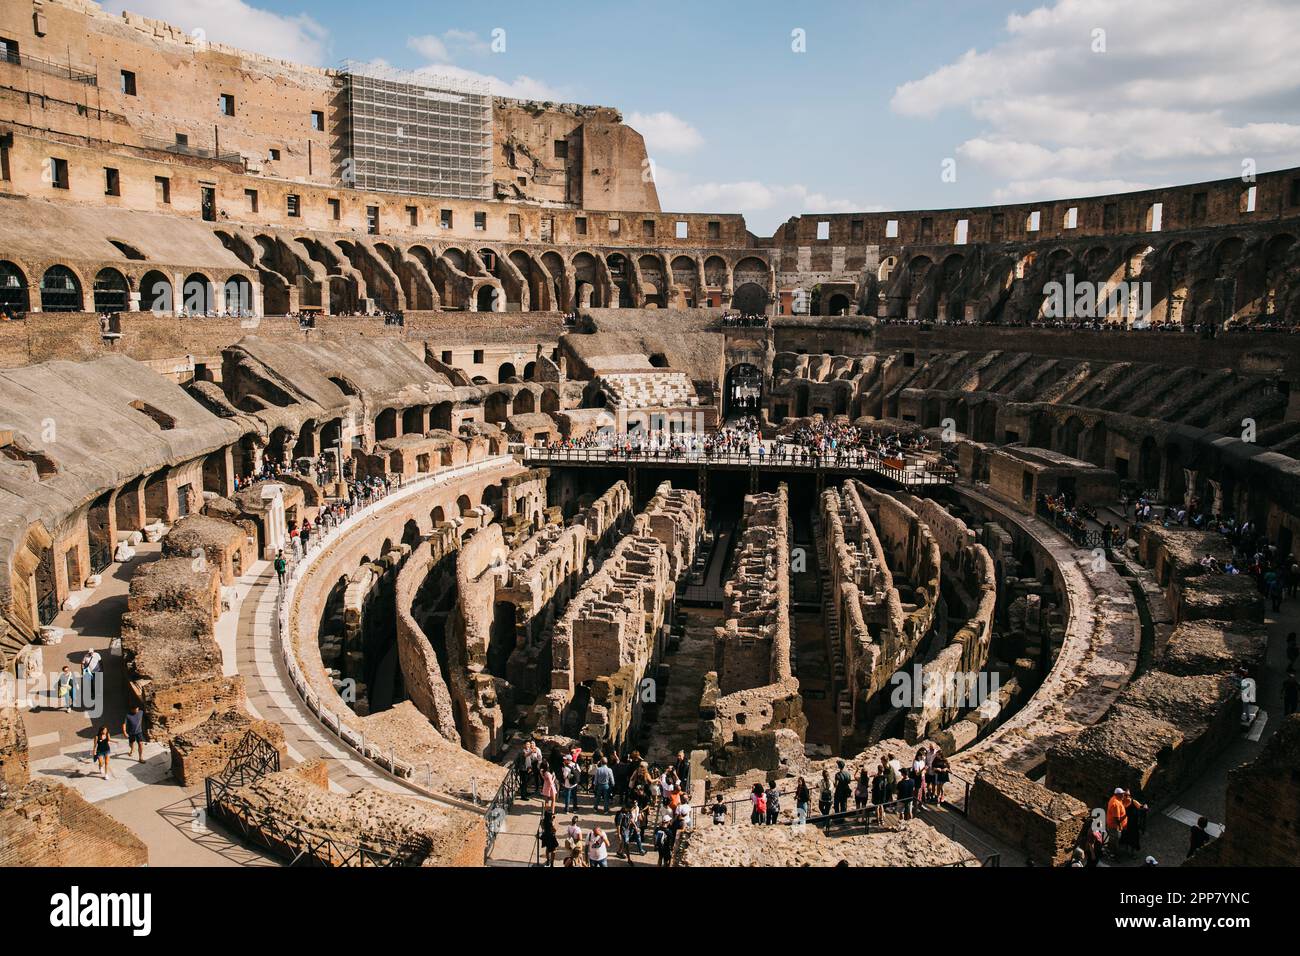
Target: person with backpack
[(719, 812), (824, 799), (663, 843), (843, 787), (281, 565), (880, 792), (758, 799)]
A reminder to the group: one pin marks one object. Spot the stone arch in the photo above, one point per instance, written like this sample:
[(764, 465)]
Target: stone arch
[(14, 295), (197, 294), (238, 296), (506, 373), (61, 290), (156, 293), (112, 293)]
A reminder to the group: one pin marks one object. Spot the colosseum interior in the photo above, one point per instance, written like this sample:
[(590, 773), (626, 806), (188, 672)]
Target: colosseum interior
[(426, 512)]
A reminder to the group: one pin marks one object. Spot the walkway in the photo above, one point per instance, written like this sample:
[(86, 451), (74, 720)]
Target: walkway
[(170, 819)]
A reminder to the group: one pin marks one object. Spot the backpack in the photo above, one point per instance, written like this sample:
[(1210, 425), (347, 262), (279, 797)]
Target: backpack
[(760, 803)]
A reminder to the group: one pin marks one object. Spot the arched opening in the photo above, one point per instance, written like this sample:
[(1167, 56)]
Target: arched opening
[(239, 296), (525, 403), (60, 290), (111, 293), (506, 373), (486, 299), (197, 294), (463, 505), (744, 390), (837, 304), (156, 293), (14, 299), (411, 533), (386, 424), (436, 516), (751, 299)]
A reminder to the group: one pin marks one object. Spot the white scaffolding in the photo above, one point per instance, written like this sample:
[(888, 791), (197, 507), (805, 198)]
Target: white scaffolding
[(414, 133)]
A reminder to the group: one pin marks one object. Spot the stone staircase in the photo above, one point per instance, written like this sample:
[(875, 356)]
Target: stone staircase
[(652, 390)]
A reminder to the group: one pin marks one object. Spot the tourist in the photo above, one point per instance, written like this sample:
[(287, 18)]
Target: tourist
[(1116, 820), (824, 794), (623, 824), (906, 794), (670, 789), (598, 848), (664, 844), (66, 690), (684, 813), (548, 788), (880, 791), (636, 826), (569, 783), (103, 748), (941, 775), (719, 811), (281, 565), (802, 801), (758, 801), (133, 730), (773, 801), (682, 767), (603, 784), (1135, 823), (843, 787), (1200, 835), (862, 792), (547, 837)]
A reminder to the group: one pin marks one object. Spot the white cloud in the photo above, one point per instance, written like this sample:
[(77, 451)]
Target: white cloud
[(666, 133), (1180, 88), (298, 37), (1058, 187), (441, 50), (764, 205)]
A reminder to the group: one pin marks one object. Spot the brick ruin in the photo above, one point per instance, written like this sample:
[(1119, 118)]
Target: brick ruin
[(752, 693), (45, 823), (235, 304), (611, 637)]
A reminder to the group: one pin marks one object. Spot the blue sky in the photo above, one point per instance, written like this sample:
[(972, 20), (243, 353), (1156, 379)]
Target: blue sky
[(1064, 98)]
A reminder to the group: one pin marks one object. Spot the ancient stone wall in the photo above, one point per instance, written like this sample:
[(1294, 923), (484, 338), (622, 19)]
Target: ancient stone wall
[(753, 686), (1042, 824), (173, 663), (612, 633), (204, 750), (49, 824), (1167, 724)]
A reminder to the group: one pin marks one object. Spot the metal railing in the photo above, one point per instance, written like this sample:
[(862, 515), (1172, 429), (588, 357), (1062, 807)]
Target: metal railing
[(186, 149), (65, 70), (47, 609), (499, 808), (330, 719), (910, 474)]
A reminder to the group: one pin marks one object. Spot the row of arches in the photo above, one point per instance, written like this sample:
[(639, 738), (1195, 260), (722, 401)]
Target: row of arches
[(61, 290), (1181, 281), (343, 275)]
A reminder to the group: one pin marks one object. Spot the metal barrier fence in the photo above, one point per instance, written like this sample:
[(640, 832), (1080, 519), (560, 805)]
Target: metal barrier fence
[(329, 718), (910, 474)]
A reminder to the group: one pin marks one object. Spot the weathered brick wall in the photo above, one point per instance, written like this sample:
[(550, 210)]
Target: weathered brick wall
[(13, 749), (203, 751), (1041, 823), (48, 824)]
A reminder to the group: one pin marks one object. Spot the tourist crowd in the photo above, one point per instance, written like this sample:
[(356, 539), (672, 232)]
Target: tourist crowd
[(649, 805)]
